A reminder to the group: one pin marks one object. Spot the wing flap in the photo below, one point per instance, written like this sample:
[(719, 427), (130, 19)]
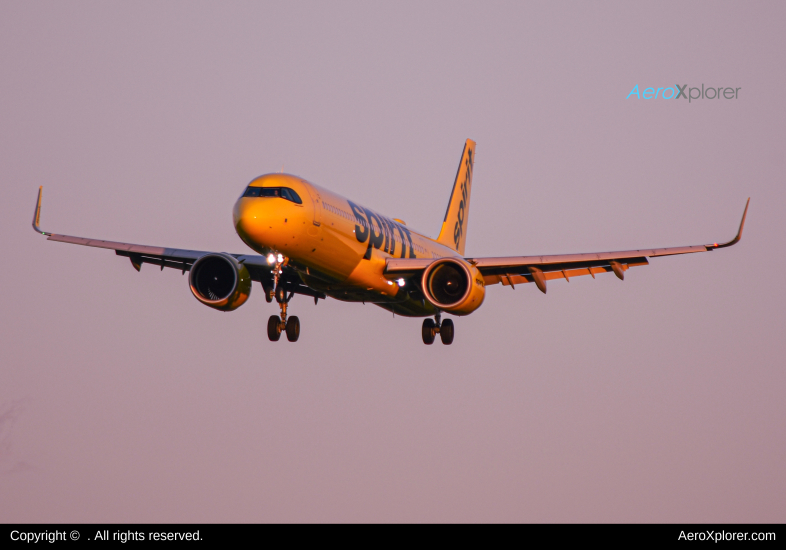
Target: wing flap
[(557, 272), (491, 264), (192, 255)]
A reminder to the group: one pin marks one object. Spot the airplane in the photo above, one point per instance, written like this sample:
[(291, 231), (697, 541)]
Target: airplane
[(316, 243)]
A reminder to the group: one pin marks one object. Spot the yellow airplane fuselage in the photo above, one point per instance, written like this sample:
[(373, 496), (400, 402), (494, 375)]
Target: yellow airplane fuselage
[(337, 246), (317, 243)]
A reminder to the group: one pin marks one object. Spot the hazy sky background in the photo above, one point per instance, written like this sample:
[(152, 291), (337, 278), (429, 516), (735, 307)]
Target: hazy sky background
[(656, 399)]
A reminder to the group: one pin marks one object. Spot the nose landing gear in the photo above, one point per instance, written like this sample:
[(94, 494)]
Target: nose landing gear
[(432, 328), (277, 324)]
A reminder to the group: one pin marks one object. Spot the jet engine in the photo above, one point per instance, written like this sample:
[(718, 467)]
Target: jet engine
[(220, 281), (454, 286)]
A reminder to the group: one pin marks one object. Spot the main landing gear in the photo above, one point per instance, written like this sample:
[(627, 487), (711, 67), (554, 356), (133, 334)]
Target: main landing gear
[(443, 328), (277, 324)]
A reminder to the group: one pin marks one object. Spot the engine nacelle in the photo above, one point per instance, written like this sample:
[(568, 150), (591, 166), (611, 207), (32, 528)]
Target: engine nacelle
[(454, 286), (220, 281)]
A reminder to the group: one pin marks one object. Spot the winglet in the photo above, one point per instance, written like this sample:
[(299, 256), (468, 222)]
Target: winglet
[(736, 239), (37, 213)]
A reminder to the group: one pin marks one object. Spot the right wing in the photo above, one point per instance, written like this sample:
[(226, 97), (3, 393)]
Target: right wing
[(258, 266)]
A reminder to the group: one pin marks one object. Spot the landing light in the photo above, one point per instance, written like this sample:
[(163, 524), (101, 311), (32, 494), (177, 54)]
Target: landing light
[(280, 258), (401, 282), (271, 258)]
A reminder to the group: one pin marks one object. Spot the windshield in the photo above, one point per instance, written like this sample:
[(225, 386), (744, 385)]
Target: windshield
[(281, 192)]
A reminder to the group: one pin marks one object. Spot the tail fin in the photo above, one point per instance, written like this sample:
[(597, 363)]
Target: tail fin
[(454, 227)]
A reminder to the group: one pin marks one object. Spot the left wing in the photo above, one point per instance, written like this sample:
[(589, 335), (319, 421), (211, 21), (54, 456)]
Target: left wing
[(258, 266), (514, 270)]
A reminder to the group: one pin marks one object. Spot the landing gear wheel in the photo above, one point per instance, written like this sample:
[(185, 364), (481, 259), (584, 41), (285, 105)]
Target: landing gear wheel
[(281, 294), (429, 331), (293, 329), (274, 328), (268, 294), (446, 332)]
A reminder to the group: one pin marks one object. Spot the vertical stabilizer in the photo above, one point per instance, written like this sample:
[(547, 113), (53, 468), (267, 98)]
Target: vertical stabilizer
[(454, 227)]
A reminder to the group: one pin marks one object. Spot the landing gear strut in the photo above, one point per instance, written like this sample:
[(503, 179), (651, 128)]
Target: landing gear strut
[(277, 324), (443, 328)]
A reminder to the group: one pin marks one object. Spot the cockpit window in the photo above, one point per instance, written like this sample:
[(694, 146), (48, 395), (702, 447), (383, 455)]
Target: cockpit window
[(290, 195), (283, 192)]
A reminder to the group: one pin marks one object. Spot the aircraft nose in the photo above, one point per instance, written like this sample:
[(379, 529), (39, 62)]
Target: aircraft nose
[(261, 223), (246, 216)]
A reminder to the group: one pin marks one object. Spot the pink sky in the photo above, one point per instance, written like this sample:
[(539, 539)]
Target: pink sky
[(656, 399)]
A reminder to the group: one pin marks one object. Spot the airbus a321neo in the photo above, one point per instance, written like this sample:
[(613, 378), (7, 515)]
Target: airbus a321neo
[(314, 242)]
